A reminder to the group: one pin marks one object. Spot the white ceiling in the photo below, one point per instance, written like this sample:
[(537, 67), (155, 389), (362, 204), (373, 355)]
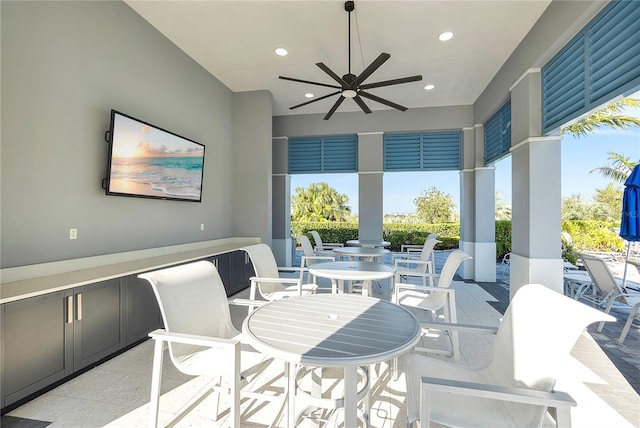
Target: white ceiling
[(235, 41)]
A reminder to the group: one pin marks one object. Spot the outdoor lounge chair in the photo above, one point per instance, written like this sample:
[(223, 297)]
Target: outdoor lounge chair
[(515, 388), (200, 336), (268, 282), (435, 298), (611, 293)]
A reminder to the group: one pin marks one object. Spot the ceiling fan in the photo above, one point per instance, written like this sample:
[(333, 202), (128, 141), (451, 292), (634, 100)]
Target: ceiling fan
[(352, 86)]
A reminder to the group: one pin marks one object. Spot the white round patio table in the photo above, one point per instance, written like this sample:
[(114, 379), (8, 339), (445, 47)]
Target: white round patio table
[(368, 243), (331, 330), (369, 253), (352, 271)]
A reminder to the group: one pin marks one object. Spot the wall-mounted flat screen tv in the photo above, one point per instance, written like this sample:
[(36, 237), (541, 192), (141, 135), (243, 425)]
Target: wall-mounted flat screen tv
[(149, 162)]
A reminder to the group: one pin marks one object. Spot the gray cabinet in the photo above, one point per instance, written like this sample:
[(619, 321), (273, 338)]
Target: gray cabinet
[(99, 323), (37, 344), (47, 338), (142, 311)]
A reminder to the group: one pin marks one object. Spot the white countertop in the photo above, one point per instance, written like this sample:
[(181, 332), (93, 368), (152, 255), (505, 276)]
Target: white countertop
[(35, 280)]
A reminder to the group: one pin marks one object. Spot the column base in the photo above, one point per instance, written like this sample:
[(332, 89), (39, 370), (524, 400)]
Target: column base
[(468, 269), (484, 261), (524, 270)]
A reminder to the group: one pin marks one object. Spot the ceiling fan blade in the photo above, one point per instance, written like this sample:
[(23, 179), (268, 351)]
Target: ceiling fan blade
[(334, 108), (314, 100), (391, 82), (309, 82), (333, 75), (371, 68), (382, 101), (365, 108)]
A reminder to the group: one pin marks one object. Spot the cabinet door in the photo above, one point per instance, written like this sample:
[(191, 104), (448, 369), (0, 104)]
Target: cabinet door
[(142, 314), (37, 344), (98, 326), (222, 263), (239, 279)]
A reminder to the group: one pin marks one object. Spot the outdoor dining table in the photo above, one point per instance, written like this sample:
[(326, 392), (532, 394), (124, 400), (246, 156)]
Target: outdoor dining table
[(368, 253), (331, 330), (342, 271), (368, 243)]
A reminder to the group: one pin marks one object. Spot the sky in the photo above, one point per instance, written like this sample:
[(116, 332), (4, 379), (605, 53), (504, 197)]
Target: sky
[(579, 156)]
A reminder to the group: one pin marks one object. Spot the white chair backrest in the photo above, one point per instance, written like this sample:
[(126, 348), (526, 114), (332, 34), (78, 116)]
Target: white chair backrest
[(432, 236), (192, 300), (600, 274), (307, 248), (446, 276), (537, 333), (317, 239), (427, 248), (265, 266)]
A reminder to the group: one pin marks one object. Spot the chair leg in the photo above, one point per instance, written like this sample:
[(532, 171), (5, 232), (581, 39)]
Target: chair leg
[(156, 381), (234, 407), (627, 325)]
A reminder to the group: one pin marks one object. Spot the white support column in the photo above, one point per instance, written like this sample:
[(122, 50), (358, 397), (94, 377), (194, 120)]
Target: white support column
[(536, 255), (485, 224), (281, 242), (467, 202), (370, 195)]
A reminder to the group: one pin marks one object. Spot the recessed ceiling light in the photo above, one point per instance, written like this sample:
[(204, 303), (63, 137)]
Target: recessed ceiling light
[(281, 52), (429, 87), (308, 95), (447, 35)]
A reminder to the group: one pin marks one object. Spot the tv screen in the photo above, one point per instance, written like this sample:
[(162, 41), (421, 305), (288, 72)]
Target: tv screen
[(149, 162)]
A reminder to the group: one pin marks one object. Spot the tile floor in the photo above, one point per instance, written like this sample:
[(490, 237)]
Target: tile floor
[(116, 393)]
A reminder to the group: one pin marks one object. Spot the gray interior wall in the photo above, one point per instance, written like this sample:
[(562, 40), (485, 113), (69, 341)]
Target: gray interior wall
[(557, 25), (64, 66), (414, 119), (252, 162)]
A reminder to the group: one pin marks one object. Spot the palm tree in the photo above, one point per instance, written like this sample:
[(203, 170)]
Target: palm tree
[(319, 202), (613, 116)]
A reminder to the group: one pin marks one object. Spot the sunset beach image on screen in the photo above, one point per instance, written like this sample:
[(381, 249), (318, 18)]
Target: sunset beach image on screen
[(147, 161)]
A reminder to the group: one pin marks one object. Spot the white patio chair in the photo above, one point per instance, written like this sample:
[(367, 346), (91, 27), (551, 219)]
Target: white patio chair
[(309, 257), (505, 263), (611, 293), (268, 281), (416, 265), (416, 248), (323, 248), (200, 336), (515, 388), (435, 298)]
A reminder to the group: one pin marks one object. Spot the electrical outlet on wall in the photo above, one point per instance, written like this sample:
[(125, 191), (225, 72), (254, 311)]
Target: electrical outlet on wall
[(202, 226), (73, 233)]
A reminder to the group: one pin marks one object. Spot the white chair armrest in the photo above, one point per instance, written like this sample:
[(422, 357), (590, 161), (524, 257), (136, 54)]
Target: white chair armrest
[(246, 302), (411, 262), (467, 328), (329, 258), (192, 339), (409, 256), (518, 395), (288, 269), (276, 280), (419, 287), (330, 245)]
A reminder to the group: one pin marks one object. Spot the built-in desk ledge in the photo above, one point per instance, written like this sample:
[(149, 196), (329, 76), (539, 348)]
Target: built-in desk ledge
[(33, 280)]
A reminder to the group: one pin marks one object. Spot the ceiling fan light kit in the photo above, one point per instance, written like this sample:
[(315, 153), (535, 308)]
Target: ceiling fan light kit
[(352, 86)]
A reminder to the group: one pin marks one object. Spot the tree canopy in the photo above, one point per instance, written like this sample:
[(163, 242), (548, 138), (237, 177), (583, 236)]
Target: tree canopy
[(434, 206)]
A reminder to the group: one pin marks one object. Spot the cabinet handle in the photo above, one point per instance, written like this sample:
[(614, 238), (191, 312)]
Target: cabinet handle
[(79, 308), (246, 258), (69, 309), (215, 263)]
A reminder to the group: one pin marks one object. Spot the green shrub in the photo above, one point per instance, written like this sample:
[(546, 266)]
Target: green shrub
[(587, 235)]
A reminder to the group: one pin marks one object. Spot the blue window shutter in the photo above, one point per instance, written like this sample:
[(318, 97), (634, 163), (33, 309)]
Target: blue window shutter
[(497, 134), (323, 154), (429, 151), (599, 64), (614, 50), (563, 84), (402, 152), (441, 151)]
